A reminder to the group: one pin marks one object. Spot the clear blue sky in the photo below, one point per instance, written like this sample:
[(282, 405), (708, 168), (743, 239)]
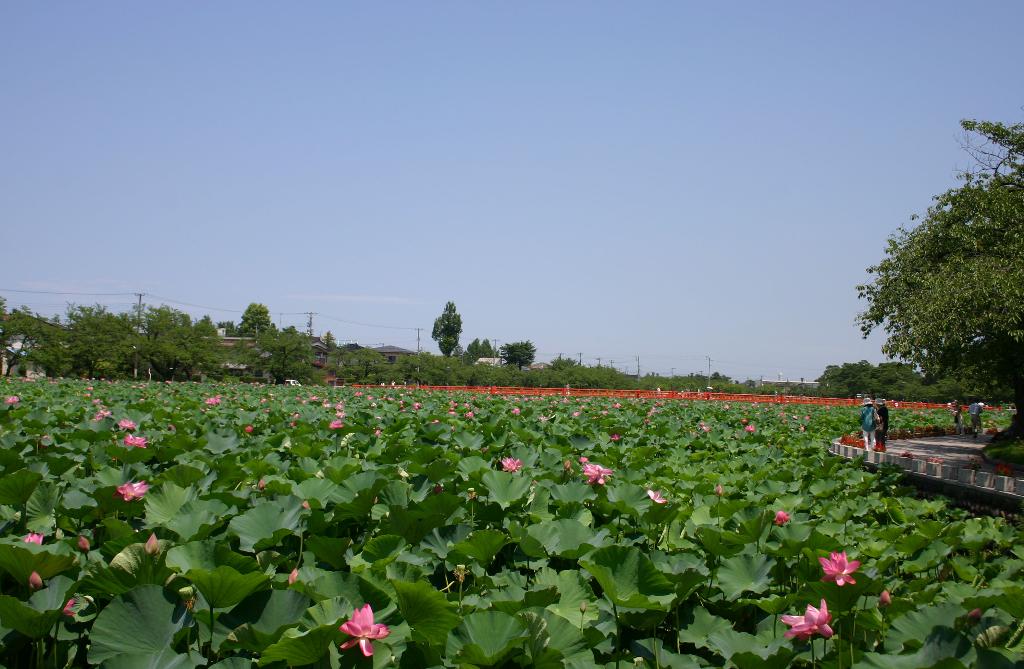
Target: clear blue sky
[(664, 179)]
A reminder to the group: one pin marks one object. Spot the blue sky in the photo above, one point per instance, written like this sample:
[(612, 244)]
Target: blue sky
[(669, 180)]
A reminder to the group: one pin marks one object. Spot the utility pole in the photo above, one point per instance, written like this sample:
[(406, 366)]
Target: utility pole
[(581, 358), (673, 372), (637, 368), (138, 333), (599, 361), (709, 369), (309, 323), (418, 339)]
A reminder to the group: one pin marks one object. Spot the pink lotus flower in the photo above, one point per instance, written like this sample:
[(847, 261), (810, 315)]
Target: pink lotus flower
[(336, 425), (705, 428), (33, 538), (511, 464), (838, 568), (814, 621), (83, 544), (69, 608), (781, 518), (719, 490), (884, 599), (35, 581), (152, 546), (516, 411), (126, 424), (596, 473), (13, 399), (293, 576), (615, 437), (130, 491), (132, 440), (212, 401), (101, 414), (750, 428), (377, 432), (469, 414), (248, 429), (584, 459), (656, 497), (362, 628)]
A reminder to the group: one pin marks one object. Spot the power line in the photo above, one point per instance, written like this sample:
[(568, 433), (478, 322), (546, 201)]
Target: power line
[(57, 292), (367, 325)]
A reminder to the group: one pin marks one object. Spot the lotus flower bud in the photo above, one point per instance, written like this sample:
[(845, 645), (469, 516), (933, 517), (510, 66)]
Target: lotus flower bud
[(152, 545), (294, 576), (885, 599), (262, 484), (83, 544), (35, 581), (719, 490), (975, 614)]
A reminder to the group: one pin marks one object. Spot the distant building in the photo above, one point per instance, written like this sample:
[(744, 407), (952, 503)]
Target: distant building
[(539, 365), (393, 353), (493, 362), (782, 384)]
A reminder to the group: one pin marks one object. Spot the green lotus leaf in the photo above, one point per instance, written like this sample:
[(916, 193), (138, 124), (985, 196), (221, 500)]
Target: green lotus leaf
[(429, 614), (744, 573), (301, 647), (36, 617), (263, 525), (563, 537), (260, 618), (505, 488), (629, 578), (47, 560), (142, 622), (163, 659), (17, 487), (482, 545), (224, 587), (486, 638)]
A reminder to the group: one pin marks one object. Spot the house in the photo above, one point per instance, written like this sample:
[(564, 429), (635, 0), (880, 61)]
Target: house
[(539, 365), (393, 353), (320, 351), (493, 362)]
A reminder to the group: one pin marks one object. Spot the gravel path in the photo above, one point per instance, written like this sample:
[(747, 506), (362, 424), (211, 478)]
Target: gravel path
[(956, 451)]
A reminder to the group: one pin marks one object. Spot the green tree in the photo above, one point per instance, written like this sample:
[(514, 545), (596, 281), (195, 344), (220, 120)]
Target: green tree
[(28, 338), (358, 365), (330, 342), (518, 353), (447, 329), (230, 329), (174, 347), (99, 343), (950, 292), (478, 349), (284, 354), (255, 321)]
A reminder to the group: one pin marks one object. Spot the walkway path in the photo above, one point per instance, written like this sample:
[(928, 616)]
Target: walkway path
[(952, 464), (956, 451)]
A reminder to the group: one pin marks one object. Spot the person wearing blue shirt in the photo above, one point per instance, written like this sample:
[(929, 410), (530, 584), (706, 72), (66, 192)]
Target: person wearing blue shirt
[(868, 422)]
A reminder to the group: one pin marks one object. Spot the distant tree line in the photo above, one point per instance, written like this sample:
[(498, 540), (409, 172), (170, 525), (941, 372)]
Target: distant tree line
[(161, 343)]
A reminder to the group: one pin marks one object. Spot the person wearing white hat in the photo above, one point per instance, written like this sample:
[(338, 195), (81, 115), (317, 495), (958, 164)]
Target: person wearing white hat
[(868, 422), (975, 412)]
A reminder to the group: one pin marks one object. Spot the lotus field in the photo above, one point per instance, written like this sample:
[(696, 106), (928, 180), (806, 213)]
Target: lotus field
[(186, 525)]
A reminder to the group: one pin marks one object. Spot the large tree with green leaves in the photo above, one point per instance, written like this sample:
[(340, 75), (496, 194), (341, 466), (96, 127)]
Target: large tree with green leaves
[(255, 321), (447, 328), (284, 354), (949, 293), (518, 353)]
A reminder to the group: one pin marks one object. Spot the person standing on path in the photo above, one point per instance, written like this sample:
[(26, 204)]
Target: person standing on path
[(868, 423), (882, 429), (975, 412), (958, 417)]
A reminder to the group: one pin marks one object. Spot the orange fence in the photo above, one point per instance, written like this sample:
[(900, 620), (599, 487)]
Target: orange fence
[(660, 395)]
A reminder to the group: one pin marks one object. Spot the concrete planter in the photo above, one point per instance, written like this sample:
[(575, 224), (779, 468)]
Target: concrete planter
[(967, 476), (1019, 485), (933, 469), (950, 473), (1003, 483), (983, 479)]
